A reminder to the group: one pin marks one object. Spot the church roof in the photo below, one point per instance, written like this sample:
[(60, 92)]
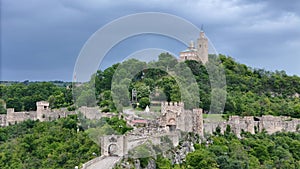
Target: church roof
[(189, 50)]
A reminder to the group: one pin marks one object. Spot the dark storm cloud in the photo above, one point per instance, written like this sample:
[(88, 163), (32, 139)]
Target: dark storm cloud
[(41, 39)]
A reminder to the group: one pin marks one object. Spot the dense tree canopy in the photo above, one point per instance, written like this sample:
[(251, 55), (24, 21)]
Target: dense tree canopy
[(279, 150), (56, 144), (249, 91), (23, 96)]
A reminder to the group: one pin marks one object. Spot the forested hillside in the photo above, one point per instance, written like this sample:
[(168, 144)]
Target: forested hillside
[(55, 144), (24, 95), (259, 151), (63, 143), (258, 92), (58, 144), (249, 91)]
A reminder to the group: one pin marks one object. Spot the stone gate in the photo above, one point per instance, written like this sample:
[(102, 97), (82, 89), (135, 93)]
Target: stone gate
[(113, 145)]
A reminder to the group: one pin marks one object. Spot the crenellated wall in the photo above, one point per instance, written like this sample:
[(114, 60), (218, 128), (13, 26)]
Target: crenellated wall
[(175, 117)]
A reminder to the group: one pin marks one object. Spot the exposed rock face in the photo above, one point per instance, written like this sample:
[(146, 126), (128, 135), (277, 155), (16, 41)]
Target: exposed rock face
[(182, 152)]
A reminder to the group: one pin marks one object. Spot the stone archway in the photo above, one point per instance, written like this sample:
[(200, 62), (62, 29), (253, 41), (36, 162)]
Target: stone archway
[(172, 124), (113, 145), (172, 121), (113, 150)]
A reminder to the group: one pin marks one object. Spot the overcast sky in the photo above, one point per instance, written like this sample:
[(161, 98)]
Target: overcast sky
[(41, 39)]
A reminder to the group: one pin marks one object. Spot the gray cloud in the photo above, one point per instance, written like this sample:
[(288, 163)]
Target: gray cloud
[(41, 39)]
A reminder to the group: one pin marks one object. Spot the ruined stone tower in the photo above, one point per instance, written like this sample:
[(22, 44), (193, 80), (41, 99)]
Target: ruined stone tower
[(171, 113), (42, 109), (198, 121)]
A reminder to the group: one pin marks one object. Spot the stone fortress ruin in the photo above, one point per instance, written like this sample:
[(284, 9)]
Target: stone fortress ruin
[(252, 124), (173, 117), (44, 113)]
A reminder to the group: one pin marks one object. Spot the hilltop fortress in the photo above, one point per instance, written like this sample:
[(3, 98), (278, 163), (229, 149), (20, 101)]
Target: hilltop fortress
[(173, 118)]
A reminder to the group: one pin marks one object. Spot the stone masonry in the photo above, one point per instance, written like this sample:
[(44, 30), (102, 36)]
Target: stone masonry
[(44, 113), (270, 124), (175, 117)]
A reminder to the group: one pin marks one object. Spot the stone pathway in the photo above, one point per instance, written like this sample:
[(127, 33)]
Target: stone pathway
[(106, 163)]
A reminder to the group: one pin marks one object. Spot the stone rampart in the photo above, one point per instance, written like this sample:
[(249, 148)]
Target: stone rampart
[(13, 117), (270, 124), (2, 120), (90, 112), (44, 113)]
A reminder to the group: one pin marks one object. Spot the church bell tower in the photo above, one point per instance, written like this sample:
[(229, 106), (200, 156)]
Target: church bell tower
[(202, 47)]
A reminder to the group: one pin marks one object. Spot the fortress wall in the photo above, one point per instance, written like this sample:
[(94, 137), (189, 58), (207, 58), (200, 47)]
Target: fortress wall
[(177, 107), (59, 113), (211, 127), (198, 121), (185, 121), (53, 115), (180, 122), (44, 113), (16, 117), (91, 112), (246, 123), (272, 124), (2, 120), (291, 125), (269, 123)]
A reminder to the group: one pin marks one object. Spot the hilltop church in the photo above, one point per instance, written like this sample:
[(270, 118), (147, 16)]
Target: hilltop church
[(198, 53)]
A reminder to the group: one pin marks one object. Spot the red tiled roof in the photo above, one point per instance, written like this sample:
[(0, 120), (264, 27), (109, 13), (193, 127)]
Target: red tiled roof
[(139, 121)]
